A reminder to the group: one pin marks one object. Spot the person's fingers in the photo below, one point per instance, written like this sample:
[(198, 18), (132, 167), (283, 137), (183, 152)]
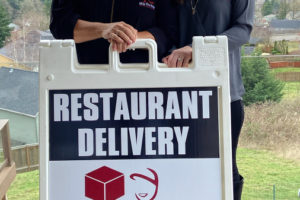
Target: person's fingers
[(186, 62), (173, 61), (123, 36), (119, 47), (124, 47), (133, 30), (128, 33), (130, 27), (165, 60), (116, 38), (179, 61), (170, 60), (114, 47)]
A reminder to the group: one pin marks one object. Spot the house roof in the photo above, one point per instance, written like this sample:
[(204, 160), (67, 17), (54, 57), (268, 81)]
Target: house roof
[(4, 52), (19, 91), (285, 24), (248, 50), (46, 35), (254, 40), (6, 57)]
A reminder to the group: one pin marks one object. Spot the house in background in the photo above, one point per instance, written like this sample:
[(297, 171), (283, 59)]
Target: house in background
[(19, 103), (285, 30), (25, 50), (6, 61), (293, 15)]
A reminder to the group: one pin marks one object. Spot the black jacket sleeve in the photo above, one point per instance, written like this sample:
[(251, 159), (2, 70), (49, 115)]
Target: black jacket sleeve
[(63, 18), (166, 30), (241, 23)]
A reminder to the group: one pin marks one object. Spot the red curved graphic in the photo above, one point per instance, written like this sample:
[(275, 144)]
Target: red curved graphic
[(153, 181)]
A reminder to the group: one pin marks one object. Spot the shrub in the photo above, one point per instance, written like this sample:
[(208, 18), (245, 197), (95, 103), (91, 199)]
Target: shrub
[(273, 126), (260, 83), (281, 47)]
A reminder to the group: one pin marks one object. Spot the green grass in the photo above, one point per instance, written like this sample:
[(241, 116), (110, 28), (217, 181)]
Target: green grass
[(25, 187), (293, 46), (286, 69), (291, 89), (262, 170)]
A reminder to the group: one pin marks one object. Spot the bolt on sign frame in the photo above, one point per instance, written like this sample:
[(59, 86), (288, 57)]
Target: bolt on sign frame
[(105, 130)]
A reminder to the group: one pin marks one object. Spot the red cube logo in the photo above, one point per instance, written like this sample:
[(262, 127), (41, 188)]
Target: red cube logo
[(104, 184)]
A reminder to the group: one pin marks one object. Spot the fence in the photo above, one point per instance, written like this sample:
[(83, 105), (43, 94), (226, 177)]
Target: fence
[(26, 157), (288, 76), (282, 61), (282, 64), (283, 58), (7, 166)]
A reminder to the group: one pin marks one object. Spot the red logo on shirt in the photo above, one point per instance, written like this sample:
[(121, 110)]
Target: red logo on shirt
[(147, 4)]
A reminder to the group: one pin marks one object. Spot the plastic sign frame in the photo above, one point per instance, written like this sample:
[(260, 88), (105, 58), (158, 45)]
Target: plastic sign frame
[(60, 70)]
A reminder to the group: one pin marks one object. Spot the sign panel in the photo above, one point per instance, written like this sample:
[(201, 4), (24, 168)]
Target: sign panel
[(104, 138), (134, 135)]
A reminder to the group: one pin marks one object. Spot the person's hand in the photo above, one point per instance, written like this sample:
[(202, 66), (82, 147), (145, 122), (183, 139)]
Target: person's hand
[(120, 34), (179, 57), (119, 47)]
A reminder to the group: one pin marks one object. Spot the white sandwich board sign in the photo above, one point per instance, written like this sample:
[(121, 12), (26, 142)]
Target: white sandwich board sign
[(135, 131)]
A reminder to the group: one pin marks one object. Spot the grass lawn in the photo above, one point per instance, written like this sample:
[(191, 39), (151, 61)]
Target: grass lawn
[(291, 89), (261, 170), (293, 46), (25, 187), (286, 69)]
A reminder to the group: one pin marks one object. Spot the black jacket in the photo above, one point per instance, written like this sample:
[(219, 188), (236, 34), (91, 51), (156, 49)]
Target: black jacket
[(156, 16)]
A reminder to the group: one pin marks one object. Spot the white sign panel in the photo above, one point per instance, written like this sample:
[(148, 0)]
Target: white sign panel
[(135, 131)]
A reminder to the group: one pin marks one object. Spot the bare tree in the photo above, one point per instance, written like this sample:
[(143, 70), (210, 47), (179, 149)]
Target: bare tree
[(294, 7), (31, 19)]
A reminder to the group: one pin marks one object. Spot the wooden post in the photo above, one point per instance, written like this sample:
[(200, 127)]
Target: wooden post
[(8, 168), (27, 158), (4, 127)]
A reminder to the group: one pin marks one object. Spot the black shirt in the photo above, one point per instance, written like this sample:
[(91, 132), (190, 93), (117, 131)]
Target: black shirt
[(156, 16)]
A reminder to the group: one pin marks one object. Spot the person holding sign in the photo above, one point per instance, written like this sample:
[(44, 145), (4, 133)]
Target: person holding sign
[(234, 19), (95, 24)]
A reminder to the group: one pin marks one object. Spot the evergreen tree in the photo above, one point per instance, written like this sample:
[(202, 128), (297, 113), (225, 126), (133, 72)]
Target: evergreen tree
[(283, 10), (275, 6), (7, 7), (4, 22), (267, 8), (260, 83), (47, 7), (15, 5)]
